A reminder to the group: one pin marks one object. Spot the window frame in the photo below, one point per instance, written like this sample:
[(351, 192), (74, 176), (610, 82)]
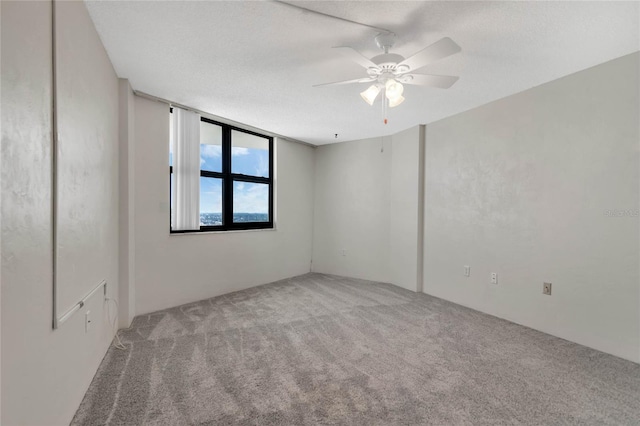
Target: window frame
[(228, 178)]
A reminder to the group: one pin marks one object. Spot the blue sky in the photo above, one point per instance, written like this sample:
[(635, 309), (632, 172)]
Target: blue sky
[(247, 197), (246, 161), (210, 195)]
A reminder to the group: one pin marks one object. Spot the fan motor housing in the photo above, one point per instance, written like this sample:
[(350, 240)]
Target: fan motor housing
[(387, 61)]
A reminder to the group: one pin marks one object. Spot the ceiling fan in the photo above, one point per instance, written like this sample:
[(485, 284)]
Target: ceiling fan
[(388, 71)]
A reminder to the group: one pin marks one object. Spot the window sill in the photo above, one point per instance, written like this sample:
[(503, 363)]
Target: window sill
[(230, 231)]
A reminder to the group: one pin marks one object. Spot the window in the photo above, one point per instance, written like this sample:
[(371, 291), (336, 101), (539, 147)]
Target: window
[(236, 178)]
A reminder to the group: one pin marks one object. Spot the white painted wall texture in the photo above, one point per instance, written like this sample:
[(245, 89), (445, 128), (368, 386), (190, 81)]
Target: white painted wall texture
[(522, 187), (405, 233), (87, 198), (45, 372), (127, 242), (352, 199), (368, 209), (175, 269)]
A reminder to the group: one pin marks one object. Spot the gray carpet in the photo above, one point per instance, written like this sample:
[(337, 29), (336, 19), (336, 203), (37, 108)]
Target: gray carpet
[(321, 349)]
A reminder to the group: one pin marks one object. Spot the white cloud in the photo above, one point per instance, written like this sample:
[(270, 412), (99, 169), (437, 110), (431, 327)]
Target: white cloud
[(210, 195), (210, 151), (211, 198), (238, 151), (262, 169), (250, 198)]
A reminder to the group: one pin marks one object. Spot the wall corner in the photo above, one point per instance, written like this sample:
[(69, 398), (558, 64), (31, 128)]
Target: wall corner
[(126, 285)]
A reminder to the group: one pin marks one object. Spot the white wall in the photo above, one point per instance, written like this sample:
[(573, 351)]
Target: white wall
[(352, 198), (368, 209), (405, 236), (45, 372), (87, 108), (126, 162), (521, 186), (175, 269)]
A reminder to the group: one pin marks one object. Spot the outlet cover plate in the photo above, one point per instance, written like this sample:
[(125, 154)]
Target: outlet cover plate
[(546, 289)]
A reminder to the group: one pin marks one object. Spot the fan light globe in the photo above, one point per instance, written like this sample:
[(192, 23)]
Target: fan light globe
[(393, 90), (396, 101), (370, 94)]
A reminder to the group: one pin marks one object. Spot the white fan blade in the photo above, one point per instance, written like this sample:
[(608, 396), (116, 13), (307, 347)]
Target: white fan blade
[(441, 81), (438, 50), (356, 56), (356, 80)]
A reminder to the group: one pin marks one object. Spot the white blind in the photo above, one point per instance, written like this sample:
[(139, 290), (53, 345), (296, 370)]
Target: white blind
[(185, 192)]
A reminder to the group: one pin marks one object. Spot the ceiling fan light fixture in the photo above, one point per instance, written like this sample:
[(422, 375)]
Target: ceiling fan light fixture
[(396, 101), (370, 94), (389, 71), (393, 89)]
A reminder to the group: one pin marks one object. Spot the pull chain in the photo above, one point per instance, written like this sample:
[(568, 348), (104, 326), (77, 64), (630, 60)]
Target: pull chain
[(384, 109)]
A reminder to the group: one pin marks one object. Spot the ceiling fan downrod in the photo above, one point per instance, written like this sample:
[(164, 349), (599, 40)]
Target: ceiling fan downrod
[(385, 41)]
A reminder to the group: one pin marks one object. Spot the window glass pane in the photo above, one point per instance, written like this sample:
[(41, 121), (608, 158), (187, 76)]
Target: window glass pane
[(250, 202), (210, 201), (249, 154), (210, 147)]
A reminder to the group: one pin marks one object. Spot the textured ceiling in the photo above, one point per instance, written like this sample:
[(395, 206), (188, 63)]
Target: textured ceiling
[(254, 62)]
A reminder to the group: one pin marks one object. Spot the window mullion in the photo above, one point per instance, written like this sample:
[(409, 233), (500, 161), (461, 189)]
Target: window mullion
[(253, 179), (206, 173), (227, 194)]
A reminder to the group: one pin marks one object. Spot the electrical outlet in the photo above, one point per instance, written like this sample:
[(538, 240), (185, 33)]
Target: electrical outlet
[(494, 278), (87, 321), (467, 270), (546, 289)]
